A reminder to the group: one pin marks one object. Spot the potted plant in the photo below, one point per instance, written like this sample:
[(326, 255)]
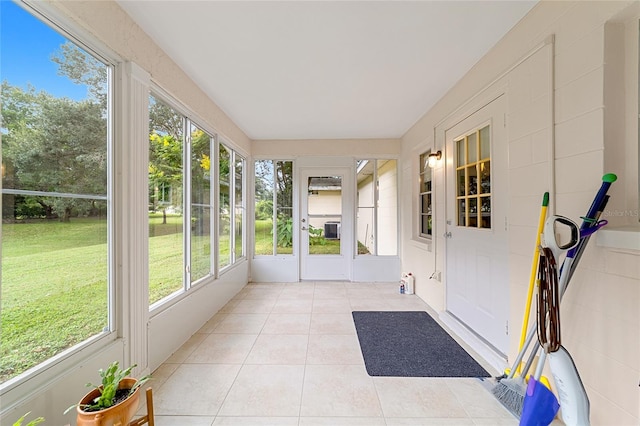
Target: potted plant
[(114, 402)]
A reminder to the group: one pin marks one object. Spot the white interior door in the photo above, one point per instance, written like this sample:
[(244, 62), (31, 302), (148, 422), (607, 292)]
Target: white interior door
[(477, 287), (325, 224)]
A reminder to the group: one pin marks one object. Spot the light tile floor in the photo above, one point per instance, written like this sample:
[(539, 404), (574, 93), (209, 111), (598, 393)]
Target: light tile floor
[(288, 354)]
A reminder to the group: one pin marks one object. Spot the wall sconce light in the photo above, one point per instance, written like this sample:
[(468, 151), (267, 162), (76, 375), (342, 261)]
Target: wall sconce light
[(434, 157)]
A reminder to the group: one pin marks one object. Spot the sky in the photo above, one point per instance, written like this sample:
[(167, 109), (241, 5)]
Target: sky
[(26, 46)]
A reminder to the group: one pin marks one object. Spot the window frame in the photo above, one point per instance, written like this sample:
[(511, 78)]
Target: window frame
[(423, 167), (275, 207), (41, 374), (376, 199), (233, 156)]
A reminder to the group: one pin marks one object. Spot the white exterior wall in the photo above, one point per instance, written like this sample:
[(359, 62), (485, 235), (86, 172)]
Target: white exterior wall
[(326, 203), (565, 92), (364, 220)]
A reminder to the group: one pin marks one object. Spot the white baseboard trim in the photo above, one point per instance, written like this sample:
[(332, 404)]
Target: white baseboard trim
[(494, 362)]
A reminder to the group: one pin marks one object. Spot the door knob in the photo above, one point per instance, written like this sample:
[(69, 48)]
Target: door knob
[(447, 234), (304, 228)]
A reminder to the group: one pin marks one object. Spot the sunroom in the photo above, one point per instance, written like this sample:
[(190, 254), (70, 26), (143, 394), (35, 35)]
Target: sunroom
[(153, 184)]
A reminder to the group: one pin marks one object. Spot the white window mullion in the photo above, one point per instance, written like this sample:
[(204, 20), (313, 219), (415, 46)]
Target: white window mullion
[(132, 151), (215, 212), (232, 206), (186, 202)]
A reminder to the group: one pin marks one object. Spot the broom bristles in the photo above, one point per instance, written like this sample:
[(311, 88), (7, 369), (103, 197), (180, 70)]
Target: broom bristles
[(510, 393)]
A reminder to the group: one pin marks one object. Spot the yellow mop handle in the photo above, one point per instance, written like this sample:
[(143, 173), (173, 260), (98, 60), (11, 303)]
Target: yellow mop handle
[(534, 269)]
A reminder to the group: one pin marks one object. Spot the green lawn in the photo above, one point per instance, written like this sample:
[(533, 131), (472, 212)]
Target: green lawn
[(71, 297), (35, 304)]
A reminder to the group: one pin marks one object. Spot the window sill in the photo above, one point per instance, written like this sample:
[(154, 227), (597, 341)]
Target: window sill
[(422, 243), (620, 237)]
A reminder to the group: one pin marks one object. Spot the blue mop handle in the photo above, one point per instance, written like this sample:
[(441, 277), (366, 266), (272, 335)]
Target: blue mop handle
[(589, 222), (594, 212)]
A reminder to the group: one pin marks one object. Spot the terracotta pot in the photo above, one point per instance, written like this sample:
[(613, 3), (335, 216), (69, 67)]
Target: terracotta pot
[(119, 414)]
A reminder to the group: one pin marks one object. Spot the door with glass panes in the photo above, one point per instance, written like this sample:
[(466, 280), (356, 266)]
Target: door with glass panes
[(325, 226), (477, 288)]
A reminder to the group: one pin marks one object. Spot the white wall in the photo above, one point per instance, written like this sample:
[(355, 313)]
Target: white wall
[(600, 314)]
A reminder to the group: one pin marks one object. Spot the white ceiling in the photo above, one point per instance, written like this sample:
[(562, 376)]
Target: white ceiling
[(326, 69)]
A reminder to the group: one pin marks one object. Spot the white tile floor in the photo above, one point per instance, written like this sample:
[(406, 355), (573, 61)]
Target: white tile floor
[(288, 354)]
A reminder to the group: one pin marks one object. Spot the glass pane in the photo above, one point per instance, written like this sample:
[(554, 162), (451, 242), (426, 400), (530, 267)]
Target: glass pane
[(284, 199), (472, 174), (461, 182), (200, 203), (166, 252), (284, 183), (224, 226), (324, 204), (365, 228), (264, 238), (200, 242), (285, 231), (422, 166), (425, 181), (387, 226), (462, 213), (473, 212), (472, 148), (426, 224), (239, 207), (366, 185), (485, 177), (485, 143), (485, 210), (460, 153), (200, 167), (426, 203)]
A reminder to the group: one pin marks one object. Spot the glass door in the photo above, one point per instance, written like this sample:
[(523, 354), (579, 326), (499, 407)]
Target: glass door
[(323, 240)]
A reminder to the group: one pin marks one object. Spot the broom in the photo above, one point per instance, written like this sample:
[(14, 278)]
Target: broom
[(510, 390)]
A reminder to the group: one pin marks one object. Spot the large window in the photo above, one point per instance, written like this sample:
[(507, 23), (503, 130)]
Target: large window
[(225, 193), (172, 227), (274, 207), (166, 252), (377, 215), (201, 259), (426, 197), (231, 182), (238, 202), (55, 198)]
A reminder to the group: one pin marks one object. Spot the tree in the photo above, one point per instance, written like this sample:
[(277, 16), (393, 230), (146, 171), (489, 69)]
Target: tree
[(82, 68), (54, 145), (165, 169)]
